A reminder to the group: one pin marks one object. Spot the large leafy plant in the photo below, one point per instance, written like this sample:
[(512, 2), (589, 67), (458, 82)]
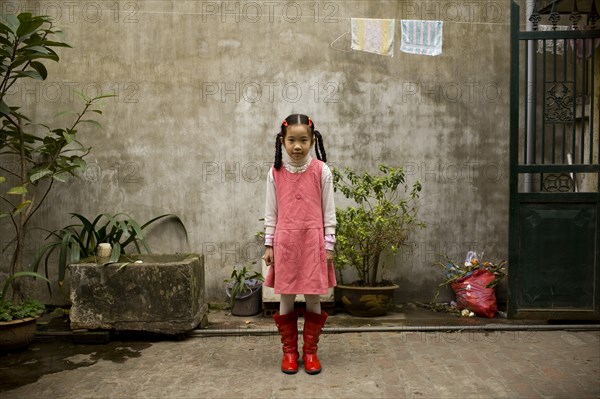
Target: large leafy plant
[(384, 215), (42, 155), (80, 240)]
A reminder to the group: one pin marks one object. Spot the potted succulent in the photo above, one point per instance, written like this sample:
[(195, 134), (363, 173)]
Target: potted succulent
[(18, 319), (244, 290), (381, 220)]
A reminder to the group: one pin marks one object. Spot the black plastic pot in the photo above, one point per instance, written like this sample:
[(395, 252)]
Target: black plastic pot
[(247, 303)]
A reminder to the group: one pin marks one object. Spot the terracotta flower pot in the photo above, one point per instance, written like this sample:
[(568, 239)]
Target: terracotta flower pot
[(17, 334)]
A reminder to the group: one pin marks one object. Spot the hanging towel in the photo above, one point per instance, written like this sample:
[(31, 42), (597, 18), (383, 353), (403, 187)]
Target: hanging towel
[(421, 37), (373, 35), (584, 48), (560, 43)]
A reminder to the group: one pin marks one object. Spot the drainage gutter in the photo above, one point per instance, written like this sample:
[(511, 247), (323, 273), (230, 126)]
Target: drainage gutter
[(224, 332), (342, 330)]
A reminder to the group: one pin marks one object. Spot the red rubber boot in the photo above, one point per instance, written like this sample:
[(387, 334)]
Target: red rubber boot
[(288, 329), (313, 325)]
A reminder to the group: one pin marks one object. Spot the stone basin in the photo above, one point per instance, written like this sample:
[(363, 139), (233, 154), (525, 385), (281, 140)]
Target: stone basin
[(162, 293)]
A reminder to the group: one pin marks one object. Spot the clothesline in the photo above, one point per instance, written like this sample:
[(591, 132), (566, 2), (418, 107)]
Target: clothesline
[(311, 17)]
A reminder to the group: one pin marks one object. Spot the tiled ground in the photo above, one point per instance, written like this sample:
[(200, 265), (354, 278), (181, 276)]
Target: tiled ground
[(466, 364)]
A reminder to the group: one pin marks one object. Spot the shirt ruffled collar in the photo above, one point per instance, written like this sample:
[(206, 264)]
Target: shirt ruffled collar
[(293, 166)]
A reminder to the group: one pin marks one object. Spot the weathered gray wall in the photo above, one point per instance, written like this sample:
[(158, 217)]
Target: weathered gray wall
[(202, 86)]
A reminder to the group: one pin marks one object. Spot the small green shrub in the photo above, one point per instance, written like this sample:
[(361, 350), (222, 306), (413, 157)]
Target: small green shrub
[(383, 218)]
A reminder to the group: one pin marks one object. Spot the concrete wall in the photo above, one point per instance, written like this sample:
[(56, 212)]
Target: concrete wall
[(201, 88)]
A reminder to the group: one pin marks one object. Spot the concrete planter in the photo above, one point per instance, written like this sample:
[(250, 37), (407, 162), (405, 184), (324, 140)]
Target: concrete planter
[(366, 301), (163, 294)]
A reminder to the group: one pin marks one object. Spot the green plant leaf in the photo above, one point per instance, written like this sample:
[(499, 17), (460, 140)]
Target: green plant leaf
[(11, 22), (91, 122), (138, 234), (4, 109), (123, 265), (61, 177), (39, 49), (115, 253), (40, 68), (51, 43), (82, 95), (28, 26), (69, 137), (45, 250), (18, 190), (71, 113), (103, 96), (168, 215), (21, 207), (39, 174), (89, 235), (30, 74)]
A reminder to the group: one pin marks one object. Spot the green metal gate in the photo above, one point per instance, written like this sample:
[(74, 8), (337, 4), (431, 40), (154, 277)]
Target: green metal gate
[(554, 241)]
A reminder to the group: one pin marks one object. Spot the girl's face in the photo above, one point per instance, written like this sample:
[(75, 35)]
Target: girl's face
[(297, 141)]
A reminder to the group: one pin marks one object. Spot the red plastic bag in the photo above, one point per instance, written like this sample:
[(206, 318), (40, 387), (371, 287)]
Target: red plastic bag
[(471, 293)]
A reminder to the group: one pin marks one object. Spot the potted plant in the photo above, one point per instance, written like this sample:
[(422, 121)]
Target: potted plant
[(18, 319), (244, 290), (381, 220), (81, 240), (129, 287)]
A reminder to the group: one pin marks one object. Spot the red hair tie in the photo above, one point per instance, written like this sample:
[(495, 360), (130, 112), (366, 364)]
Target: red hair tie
[(310, 122), (285, 123)]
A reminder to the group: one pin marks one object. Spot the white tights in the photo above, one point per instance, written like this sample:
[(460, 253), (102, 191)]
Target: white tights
[(286, 303)]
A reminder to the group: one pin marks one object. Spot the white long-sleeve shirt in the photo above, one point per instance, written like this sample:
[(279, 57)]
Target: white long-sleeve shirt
[(328, 204)]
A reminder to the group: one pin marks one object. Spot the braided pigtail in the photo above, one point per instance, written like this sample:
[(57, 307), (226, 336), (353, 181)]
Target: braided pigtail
[(319, 147), (277, 163)]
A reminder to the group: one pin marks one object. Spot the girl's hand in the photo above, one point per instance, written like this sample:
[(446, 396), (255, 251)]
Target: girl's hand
[(268, 257), (330, 256)]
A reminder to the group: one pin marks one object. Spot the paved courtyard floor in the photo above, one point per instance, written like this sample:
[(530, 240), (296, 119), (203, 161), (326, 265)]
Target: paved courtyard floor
[(404, 364)]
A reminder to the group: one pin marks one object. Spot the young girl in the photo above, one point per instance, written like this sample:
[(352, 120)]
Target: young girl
[(299, 237)]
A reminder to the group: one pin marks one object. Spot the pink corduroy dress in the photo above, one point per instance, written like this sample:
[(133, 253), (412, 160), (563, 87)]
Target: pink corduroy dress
[(299, 248)]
